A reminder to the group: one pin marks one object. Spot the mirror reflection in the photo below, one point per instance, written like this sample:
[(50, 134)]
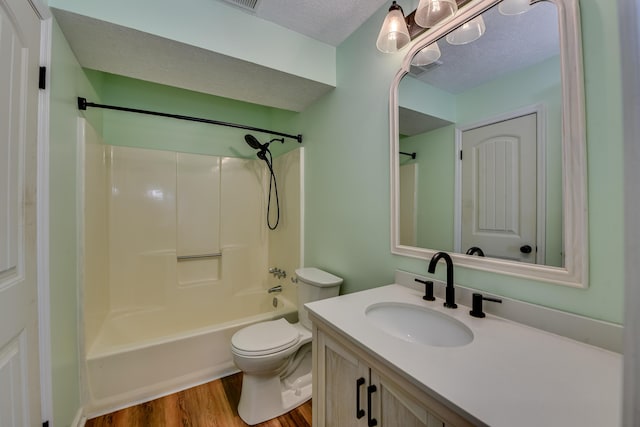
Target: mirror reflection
[(480, 139)]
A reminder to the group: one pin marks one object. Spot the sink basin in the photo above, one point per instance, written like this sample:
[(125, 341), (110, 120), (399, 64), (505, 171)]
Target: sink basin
[(419, 324)]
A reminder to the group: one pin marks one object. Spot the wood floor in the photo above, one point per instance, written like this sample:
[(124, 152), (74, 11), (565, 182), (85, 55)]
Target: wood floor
[(209, 405)]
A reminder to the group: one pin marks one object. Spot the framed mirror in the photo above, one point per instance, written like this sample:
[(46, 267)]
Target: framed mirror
[(488, 150)]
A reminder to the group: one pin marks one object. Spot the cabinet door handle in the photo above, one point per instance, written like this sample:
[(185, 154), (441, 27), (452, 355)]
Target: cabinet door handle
[(371, 422), (359, 410)]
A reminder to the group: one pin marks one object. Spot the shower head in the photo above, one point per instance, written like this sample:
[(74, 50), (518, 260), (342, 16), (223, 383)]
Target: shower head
[(253, 143)]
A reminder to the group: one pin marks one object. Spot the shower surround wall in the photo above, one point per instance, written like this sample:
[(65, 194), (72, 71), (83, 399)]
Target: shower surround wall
[(154, 323)]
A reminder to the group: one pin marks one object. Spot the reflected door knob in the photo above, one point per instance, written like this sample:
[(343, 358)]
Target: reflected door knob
[(526, 249)]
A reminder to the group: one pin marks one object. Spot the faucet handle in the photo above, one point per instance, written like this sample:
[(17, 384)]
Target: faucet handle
[(476, 304), (428, 289), (278, 272)]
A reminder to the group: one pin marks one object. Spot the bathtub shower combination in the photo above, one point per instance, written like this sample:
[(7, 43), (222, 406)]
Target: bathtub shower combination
[(176, 257)]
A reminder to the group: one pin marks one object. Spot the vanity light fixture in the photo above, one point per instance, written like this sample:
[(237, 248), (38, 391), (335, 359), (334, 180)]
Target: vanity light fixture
[(431, 12), (394, 34), (427, 55), (468, 32), (514, 7), (398, 30)]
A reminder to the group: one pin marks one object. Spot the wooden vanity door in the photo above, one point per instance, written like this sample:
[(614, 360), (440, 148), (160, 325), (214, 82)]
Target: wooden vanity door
[(395, 402), (393, 407), (344, 379)]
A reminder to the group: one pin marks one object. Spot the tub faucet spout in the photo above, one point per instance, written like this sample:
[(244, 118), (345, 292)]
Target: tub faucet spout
[(275, 289)]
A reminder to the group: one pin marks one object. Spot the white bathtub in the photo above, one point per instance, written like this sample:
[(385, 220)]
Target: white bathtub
[(138, 356), (152, 324)]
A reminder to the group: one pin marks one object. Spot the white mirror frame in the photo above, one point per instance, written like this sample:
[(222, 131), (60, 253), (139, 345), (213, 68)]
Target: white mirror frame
[(575, 272)]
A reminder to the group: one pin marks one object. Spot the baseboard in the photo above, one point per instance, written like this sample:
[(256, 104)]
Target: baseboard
[(80, 419), (156, 391)]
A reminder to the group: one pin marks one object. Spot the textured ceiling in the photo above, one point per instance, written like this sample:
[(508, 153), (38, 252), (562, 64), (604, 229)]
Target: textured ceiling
[(115, 49), (510, 43), (329, 21), (120, 50)]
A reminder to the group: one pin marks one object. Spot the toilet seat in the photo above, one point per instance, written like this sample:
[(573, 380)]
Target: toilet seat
[(265, 338)]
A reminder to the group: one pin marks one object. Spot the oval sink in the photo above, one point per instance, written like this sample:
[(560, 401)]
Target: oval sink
[(419, 324)]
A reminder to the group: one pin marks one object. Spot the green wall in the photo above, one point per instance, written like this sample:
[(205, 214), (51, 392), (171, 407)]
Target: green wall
[(347, 175), (435, 156), (346, 135), (427, 99), (144, 131), (67, 82)]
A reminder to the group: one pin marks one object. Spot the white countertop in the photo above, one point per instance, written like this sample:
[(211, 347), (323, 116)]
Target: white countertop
[(510, 375)]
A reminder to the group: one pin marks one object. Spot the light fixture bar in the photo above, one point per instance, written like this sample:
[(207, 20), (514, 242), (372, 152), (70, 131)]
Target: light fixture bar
[(415, 30)]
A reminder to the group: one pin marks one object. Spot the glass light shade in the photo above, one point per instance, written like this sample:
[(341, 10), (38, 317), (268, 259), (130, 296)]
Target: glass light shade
[(468, 32), (430, 12), (394, 34), (513, 7), (427, 55)]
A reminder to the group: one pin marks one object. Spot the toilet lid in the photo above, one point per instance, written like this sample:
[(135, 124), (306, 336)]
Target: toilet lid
[(265, 337)]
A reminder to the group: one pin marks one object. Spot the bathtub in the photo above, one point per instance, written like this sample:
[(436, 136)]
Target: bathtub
[(140, 355)]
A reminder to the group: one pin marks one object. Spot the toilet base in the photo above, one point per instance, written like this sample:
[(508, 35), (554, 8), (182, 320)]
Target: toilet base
[(266, 397)]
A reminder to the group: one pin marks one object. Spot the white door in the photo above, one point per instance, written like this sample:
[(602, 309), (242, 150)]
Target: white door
[(499, 180), (19, 366)]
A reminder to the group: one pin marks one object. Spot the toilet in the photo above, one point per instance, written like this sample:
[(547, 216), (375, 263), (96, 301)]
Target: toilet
[(275, 356)]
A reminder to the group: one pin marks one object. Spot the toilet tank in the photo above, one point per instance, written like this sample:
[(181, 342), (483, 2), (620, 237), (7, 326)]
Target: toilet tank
[(313, 285)]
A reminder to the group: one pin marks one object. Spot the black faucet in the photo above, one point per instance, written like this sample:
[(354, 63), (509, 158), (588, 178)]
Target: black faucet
[(450, 293), (475, 250)]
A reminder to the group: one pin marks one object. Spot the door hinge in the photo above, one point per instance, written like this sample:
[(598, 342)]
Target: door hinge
[(460, 154), (42, 79), (45, 424)]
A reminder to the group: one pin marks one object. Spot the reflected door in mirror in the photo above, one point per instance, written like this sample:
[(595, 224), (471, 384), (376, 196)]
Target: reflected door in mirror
[(499, 212)]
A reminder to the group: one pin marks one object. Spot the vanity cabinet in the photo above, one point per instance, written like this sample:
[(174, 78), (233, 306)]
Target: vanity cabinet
[(352, 388)]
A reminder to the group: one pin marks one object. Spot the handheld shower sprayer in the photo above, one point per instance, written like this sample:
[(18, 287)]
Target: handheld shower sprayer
[(263, 151), (254, 143), (262, 148)]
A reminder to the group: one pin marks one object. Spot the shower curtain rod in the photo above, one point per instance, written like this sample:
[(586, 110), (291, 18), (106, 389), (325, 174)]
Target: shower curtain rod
[(412, 155), (83, 104)]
